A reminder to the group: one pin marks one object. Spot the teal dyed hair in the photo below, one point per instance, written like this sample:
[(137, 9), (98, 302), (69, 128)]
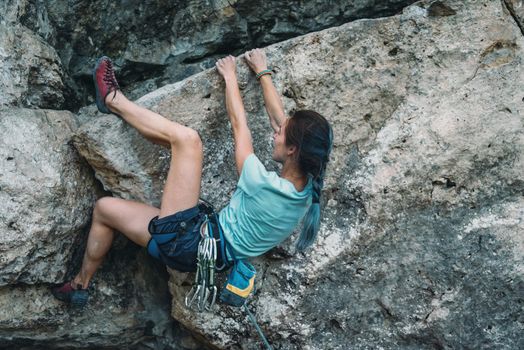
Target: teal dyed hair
[(312, 135)]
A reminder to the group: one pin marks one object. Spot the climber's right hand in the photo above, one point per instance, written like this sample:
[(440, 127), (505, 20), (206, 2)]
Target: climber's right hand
[(256, 59)]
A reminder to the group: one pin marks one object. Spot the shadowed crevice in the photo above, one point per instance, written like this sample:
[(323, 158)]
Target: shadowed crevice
[(509, 6)]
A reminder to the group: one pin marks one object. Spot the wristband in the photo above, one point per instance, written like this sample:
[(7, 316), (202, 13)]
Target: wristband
[(264, 72)]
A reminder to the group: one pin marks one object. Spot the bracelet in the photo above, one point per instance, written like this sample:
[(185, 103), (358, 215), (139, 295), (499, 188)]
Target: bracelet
[(264, 72)]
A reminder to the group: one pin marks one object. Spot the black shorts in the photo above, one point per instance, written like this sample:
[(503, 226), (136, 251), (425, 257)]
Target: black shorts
[(174, 238)]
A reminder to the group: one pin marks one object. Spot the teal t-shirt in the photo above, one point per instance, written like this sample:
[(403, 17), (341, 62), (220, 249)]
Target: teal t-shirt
[(263, 211)]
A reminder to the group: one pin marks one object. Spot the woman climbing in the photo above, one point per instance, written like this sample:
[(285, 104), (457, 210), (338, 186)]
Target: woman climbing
[(264, 209)]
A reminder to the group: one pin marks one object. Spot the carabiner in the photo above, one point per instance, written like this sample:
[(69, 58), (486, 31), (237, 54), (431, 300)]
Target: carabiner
[(213, 291), (195, 292)]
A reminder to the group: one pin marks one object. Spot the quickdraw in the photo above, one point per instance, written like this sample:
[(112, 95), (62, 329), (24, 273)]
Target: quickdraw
[(204, 291)]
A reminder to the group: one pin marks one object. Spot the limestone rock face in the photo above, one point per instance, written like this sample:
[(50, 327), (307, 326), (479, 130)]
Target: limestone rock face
[(46, 195), (10, 10), (31, 72), (127, 307), (421, 243), (165, 41), (516, 9)]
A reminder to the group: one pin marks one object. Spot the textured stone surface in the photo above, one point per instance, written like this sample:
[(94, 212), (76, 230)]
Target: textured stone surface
[(165, 41), (516, 9), (11, 10), (127, 308), (421, 245), (31, 73), (46, 195)]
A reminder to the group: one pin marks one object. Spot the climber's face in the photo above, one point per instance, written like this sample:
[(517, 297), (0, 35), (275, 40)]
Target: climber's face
[(281, 151)]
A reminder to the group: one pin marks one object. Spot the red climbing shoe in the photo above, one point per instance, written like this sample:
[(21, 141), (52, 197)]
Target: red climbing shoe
[(75, 296), (105, 82)]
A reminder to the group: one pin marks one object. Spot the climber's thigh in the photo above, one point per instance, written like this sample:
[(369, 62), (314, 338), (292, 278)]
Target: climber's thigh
[(128, 217), (182, 186)]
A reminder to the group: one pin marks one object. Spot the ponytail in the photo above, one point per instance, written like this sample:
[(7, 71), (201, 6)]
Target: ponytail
[(311, 133), (311, 223)]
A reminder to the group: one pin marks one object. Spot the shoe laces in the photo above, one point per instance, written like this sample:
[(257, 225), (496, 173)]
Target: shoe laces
[(109, 78)]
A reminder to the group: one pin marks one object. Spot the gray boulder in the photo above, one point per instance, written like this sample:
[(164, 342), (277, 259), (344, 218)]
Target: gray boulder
[(127, 309), (420, 245), (46, 195), (31, 72)]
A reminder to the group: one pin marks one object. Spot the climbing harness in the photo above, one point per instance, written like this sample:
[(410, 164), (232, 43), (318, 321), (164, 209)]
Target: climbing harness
[(240, 282)]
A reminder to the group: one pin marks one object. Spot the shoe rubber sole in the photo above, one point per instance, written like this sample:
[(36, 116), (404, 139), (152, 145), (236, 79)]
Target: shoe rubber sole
[(79, 298)]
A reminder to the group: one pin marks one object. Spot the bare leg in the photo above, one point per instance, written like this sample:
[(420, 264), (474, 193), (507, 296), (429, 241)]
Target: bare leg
[(130, 218), (151, 125), (182, 187), (181, 190)]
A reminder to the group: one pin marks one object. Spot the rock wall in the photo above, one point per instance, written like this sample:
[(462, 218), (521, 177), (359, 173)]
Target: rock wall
[(46, 195), (31, 73), (47, 49), (165, 41), (421, 244)]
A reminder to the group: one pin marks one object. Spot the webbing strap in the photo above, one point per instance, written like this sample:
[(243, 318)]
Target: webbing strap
[(222, 244)]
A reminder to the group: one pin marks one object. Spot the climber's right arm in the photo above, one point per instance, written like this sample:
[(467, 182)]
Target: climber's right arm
[(236, 112), (257, 61)]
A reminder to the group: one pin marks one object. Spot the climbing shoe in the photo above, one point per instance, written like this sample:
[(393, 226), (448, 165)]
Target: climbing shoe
[(105, 82), (76, 297)]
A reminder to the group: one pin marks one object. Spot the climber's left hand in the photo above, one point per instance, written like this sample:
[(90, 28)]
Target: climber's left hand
[(227, 67)]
